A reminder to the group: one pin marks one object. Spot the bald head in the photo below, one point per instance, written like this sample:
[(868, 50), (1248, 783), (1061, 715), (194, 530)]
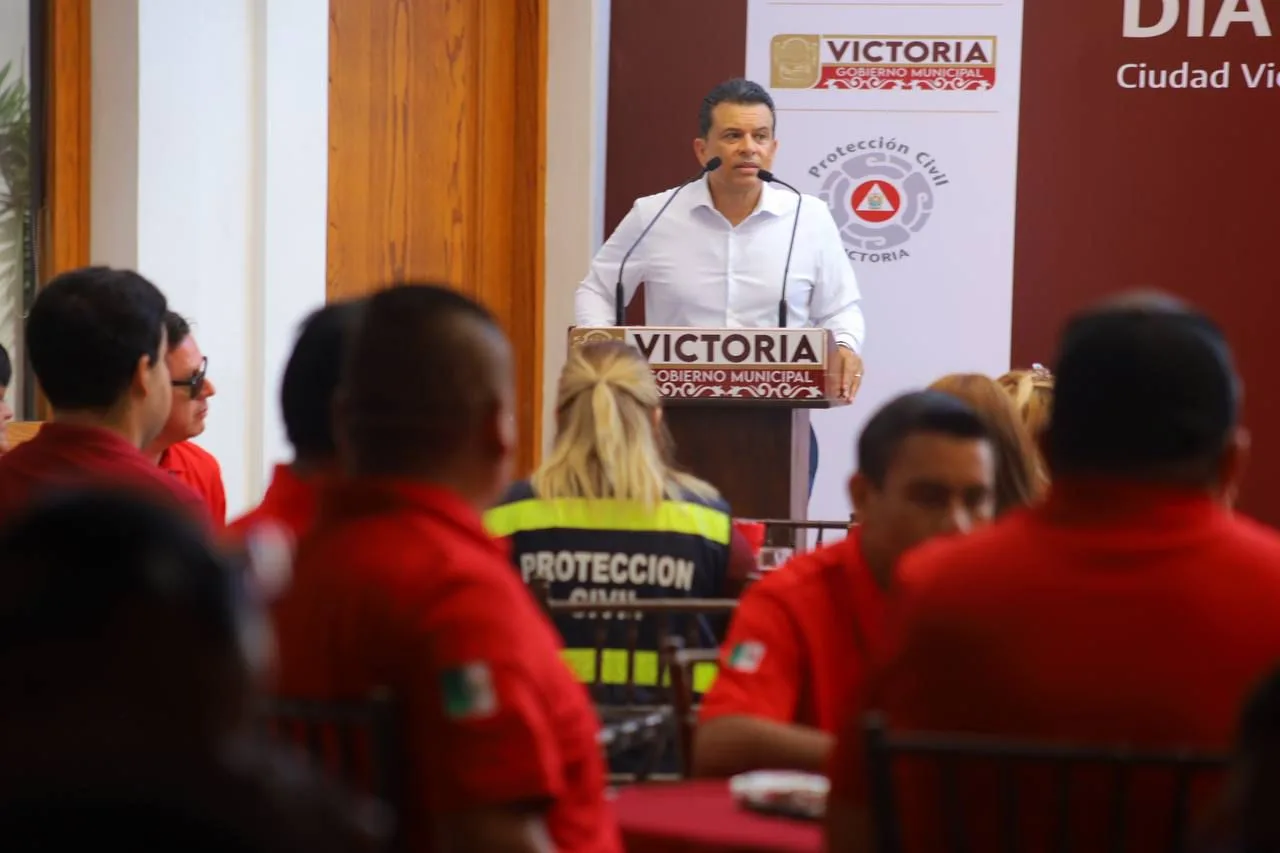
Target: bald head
[(429, 377)]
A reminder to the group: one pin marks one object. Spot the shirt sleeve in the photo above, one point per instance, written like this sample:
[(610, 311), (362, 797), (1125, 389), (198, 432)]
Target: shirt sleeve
[(760, 664), (217, 495), (594, 303), (483, 726), (836, 297)]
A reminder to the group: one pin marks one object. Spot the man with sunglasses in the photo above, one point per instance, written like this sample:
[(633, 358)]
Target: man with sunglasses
[(172, 449), (96, 337)]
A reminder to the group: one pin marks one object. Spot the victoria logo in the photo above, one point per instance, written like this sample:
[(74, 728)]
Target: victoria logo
[(881, 194)]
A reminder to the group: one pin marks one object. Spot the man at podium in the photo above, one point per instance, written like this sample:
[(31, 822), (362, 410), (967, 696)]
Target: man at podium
[(732, 247)]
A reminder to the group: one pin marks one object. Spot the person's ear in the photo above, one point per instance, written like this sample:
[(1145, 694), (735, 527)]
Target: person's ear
[(700, 150), (859, 494), (1232, 465)]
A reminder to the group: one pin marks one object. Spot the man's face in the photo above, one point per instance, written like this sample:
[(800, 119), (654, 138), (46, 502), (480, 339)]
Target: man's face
[(936, 484), (6, 415), (190, 404), (742, 136)]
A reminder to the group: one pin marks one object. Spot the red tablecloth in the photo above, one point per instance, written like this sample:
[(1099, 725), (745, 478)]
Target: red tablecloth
[(701, 816)]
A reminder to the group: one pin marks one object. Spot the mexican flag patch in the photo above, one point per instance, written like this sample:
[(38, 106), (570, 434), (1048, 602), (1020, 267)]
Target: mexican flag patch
[(746, 656), (468, 692)]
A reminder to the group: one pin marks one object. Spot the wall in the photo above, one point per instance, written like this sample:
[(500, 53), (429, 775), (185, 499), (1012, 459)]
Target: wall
[(1168, 188), (209, 135), (577, 109), (436, 170)]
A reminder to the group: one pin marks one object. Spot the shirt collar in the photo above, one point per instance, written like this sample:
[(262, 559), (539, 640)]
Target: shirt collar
[(97, 437), (1115, 502), (773, 201), (355, 497)]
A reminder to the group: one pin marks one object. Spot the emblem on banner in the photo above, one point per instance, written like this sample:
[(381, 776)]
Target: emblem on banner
[(880, 193), (884, 63)]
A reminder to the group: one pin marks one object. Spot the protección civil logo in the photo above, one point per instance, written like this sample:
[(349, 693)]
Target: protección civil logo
[(881, 193)]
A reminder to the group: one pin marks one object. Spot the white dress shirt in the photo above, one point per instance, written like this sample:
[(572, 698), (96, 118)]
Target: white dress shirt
[(698, 270)]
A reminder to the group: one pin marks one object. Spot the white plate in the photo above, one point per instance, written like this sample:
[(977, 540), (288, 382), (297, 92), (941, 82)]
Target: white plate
[(784, 792)]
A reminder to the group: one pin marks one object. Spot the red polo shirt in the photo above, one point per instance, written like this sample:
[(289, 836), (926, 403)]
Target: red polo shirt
[(290, 501), (1113, 614), (799, 643), (399, 586), (65, 456), (197, 468)]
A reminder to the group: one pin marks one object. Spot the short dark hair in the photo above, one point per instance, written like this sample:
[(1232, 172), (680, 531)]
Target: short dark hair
[(6, 367), (176, 328), (907, 415), (739, 90), (86, 331), (1144, 385), (420, 368), (311, 378), (126, 550)]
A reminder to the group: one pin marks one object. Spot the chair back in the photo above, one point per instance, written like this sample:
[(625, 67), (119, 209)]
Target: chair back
[(1072, 772), (355, 742), (691, 674), (795, 533), (615, 666)]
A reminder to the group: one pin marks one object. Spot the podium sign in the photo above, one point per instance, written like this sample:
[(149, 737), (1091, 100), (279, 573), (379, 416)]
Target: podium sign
[(746, 364)]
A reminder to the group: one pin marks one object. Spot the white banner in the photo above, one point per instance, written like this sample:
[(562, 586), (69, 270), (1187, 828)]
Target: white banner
[(903, 118)]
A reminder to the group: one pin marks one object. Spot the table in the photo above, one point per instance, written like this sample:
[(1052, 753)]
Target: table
[(702, 816)]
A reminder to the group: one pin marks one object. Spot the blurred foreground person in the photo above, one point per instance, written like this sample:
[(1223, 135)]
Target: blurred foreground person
[(399, 586), (128, 663)]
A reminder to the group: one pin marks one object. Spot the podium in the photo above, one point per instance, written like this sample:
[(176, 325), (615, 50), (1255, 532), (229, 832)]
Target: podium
[(737, 404)]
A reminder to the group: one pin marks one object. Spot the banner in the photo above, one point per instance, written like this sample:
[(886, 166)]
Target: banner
[(903, 119)]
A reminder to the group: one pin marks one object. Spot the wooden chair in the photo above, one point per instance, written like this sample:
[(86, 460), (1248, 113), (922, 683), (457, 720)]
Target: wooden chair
[(632, 686), (685, 664), (1005, 759), (20, 431), (356, 742), (794, 534)]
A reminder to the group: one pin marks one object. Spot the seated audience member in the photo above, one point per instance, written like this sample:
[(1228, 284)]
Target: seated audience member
[(306, 403), (131, 660), (6, 413), (801, 640), (96, 340), (398, 585), (1018, 479), (1130, 607), (609, 490), (1032, 393), (171, 449)]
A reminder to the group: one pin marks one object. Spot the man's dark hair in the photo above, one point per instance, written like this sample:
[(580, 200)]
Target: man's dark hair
[(127, 551), (311, 378), (86, 332), (176, 329), (736, 91), (421, 370), (6, 367), (907, 415), (1144, 387)]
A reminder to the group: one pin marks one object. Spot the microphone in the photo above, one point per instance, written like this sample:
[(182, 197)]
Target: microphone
[(769, 178), (620, 308)]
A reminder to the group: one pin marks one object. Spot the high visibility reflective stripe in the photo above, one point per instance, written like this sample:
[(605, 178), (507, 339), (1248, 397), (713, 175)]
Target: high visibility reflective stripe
[(613, 662), (582, 514)]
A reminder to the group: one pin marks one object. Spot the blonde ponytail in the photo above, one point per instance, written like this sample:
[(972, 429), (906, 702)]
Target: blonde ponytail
[(610, 442)]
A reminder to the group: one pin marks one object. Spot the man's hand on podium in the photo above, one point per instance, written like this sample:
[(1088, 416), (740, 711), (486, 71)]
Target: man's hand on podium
[(850, 372)]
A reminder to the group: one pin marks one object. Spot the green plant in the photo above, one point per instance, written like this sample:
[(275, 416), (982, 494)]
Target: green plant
[(15, 144)]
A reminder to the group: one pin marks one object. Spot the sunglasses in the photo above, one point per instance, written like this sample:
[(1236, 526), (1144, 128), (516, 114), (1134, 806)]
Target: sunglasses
[(195, 383)]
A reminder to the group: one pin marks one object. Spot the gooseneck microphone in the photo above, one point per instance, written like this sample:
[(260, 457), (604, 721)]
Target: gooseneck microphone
[(619, 307), (769, 178)]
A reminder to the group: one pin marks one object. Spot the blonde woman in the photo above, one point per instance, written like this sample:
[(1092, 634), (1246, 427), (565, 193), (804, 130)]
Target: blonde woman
[(608, 517), (1032, 394), (1019, 477)]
